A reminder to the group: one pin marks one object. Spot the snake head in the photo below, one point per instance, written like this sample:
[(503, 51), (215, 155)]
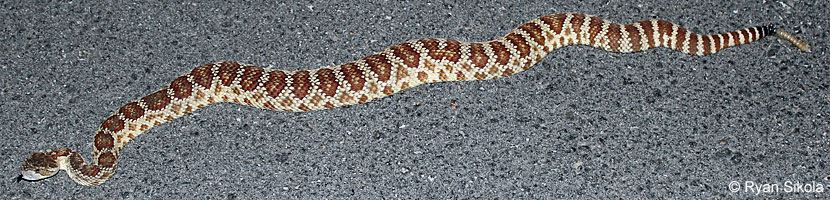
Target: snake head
[(42, 165)]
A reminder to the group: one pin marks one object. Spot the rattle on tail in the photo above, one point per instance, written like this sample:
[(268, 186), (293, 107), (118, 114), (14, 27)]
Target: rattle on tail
[(389, 71)]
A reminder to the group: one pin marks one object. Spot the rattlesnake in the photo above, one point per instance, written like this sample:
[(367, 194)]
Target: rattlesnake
[(392, 70)]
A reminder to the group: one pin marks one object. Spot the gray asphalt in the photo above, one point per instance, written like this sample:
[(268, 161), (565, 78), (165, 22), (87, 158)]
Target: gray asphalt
[(583, 123)]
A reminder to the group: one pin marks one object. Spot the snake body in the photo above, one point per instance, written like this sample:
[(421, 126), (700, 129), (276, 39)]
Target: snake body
[(389, 71)]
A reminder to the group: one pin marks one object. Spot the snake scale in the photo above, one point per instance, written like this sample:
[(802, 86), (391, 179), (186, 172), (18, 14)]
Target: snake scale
[(389, 71)]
